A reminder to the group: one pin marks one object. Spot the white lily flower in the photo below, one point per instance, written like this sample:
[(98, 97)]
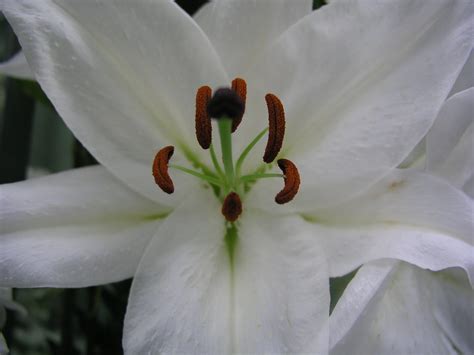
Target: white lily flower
[(361, 84), (391, 307)]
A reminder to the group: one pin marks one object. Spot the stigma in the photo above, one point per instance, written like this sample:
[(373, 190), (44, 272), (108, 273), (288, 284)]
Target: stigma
[(227, 107), (225, 103)]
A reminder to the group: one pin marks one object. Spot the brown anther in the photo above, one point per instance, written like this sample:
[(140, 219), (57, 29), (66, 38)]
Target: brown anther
[(292, 181), (276, 127), (160, 169), (203, 120), (240, 87), (232, 207)]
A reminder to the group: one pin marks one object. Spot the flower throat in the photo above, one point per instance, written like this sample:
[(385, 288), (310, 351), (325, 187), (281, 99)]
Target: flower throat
[(227, 107)]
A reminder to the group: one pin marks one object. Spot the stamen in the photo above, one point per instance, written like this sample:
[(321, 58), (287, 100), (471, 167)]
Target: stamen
[(160, 169), (240, 87), (253, 177), (232, 207), (225, 103), (247, 150), (276, 127), (292, 181), (203, 121)]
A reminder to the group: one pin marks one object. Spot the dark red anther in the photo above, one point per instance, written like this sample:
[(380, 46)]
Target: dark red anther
[(203, 120), (240, 87), (292, 181), (232, 207), (276, 127), (160, 169)]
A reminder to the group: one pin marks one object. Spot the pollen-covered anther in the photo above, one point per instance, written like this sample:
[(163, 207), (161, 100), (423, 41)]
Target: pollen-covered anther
[(225, 103), (203, 120), (160, 169), (276, 127), (232, 207), (240, 87), (292, 181)]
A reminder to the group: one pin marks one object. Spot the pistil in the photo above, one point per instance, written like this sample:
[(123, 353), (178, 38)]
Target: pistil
[(225, 126)]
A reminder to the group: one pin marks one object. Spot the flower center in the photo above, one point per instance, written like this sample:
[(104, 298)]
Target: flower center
[(227, 107)]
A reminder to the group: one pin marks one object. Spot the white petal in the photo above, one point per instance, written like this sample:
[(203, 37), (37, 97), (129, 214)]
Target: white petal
[(458, 168), (18, 67), (186, 297), (452, 121), (73, 229), (394, 315), (362, 83), (240, 30), (468, 187), (410, 216), (358, 296), (466, 77), (450, 142), (409, 198), (122, 74), (180, 296), (281, 287), (452, 301), (351, 246), (449, 124)]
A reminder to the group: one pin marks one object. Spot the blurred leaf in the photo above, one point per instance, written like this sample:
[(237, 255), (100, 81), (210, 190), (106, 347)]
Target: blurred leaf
[(191, 6), (52, 142), (337, 285), (33, 90), (16, 121), (318, 3)]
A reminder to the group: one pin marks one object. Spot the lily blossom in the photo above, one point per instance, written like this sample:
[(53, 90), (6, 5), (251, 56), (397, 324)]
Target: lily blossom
[(360, 83), (394, 307)]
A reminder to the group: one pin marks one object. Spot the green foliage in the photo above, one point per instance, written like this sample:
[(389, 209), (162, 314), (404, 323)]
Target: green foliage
[(318, 3), (33, 90), (69, 321), (337, 285)]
